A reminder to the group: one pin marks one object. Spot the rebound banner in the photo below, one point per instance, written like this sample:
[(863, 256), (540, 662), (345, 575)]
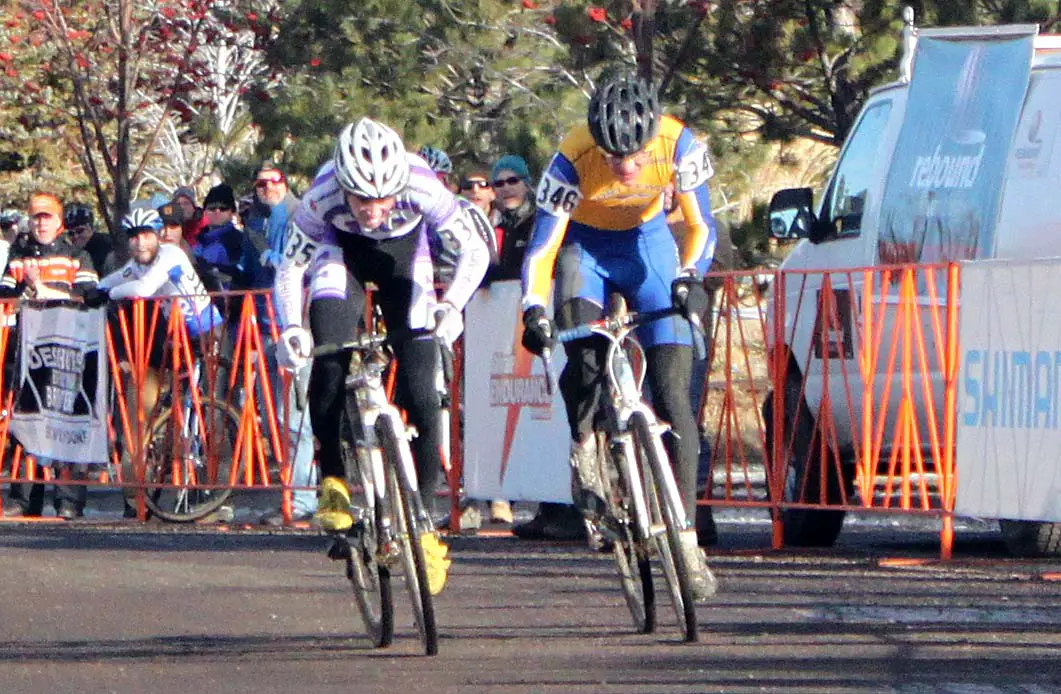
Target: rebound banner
[(516, 439), (1009, 391), (942, 193), (61, 412)]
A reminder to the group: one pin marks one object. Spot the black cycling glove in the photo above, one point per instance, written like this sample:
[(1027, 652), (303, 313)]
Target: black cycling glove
[(539, 333), (96, 297), (688, 296)]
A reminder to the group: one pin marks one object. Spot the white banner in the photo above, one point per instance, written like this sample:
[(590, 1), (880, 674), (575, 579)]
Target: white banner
[(1009, 428), (61, 410), (516, 439)]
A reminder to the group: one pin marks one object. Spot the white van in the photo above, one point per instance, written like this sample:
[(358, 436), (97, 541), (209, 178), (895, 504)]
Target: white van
[(987, 186)]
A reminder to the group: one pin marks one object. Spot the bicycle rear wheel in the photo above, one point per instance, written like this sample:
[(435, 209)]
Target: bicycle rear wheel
[(187, 460), (666, 529), (630, 551), (407, 530)]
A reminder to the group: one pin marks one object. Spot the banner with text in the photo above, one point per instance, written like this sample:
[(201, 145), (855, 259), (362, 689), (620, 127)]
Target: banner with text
[(1009, 391), (61, 410), (942, 192), (516, 439)]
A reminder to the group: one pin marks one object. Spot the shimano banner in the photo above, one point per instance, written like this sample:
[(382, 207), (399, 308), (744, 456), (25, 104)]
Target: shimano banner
[(61, 408), (942, 193), (1009, 391)]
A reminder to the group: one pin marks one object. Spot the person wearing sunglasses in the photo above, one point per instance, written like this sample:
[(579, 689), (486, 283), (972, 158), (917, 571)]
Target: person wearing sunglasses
[(265, 230), (369, 217), (220, 242), (79, 221), (475, 187), (601, 224)]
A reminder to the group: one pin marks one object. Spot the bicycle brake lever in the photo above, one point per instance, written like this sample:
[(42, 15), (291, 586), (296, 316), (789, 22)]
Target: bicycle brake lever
[(545, 356), (445, 351), (699, 338)]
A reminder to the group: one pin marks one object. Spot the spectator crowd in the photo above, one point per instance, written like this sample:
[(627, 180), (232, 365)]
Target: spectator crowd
[(55, 251)]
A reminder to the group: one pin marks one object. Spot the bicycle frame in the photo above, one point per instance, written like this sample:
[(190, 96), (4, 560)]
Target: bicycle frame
[(374, 408), (624, 400)]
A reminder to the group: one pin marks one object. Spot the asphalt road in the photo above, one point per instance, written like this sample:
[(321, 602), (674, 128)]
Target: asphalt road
[(112, 607)]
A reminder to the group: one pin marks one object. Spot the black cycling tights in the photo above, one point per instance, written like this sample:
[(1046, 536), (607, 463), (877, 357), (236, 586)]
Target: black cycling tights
[(669, 371), (336, 320)]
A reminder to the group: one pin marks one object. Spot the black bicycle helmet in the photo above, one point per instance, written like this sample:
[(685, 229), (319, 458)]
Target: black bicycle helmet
[(77, 215), (624, 114)]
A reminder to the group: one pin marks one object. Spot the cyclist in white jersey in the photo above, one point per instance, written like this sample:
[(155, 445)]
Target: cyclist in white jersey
[(161, 270), (157, 270), (369, 217)]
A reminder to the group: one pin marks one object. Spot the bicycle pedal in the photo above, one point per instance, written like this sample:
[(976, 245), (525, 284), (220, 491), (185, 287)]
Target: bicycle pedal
[(389, 552), (339, 549)]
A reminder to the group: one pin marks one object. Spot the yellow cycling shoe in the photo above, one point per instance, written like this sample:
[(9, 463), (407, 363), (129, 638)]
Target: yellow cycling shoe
[(333, 508), (436, 555)]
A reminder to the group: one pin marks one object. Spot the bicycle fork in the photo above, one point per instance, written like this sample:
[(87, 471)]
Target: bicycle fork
[(370, 455), (665, 481)]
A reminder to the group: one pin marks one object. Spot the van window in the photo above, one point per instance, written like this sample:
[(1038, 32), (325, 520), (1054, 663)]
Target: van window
[(856, 172)]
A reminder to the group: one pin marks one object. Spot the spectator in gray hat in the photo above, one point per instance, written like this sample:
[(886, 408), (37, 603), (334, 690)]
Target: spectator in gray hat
[(194, 220)]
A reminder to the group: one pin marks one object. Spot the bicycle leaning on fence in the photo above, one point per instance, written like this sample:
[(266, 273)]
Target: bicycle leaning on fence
[(192, 448), (643, 515), (390, 517)]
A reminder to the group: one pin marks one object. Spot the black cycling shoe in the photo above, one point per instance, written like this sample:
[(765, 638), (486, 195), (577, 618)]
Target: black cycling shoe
[(706, 532), (545, 527)]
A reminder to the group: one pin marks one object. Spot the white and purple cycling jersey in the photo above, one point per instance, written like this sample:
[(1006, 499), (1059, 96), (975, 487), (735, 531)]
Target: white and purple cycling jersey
[(313, 249), (171, 274)]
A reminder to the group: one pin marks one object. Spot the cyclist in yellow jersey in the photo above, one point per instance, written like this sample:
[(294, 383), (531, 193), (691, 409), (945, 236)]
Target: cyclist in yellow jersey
[(601, 228)]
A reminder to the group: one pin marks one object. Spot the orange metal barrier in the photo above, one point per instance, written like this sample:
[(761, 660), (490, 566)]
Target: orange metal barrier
[(855, 412), (861, 377), (152, 359)]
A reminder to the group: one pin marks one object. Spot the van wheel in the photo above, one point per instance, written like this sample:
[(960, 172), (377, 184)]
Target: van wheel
[(1032, 538), (802, 527)]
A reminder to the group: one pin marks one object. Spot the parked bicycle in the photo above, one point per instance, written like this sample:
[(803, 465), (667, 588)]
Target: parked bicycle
[(390, 517), (643, 513), (191, 450)]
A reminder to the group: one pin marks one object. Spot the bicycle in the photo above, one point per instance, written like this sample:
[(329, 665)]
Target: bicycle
[(390, 516), (189, 444), (643, 512)]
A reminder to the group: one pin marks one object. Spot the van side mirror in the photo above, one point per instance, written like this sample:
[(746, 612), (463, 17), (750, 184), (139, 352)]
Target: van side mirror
[(791, 215)]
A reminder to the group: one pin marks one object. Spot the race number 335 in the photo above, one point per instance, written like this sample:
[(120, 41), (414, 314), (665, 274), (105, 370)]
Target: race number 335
[(299, 248)]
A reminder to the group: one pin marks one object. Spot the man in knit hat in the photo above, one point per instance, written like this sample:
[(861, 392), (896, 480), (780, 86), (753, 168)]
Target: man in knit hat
[(220, 243), (512, 185)]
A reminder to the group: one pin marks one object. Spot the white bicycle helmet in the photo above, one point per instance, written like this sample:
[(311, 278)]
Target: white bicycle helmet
[(140, 220), (370, 160)]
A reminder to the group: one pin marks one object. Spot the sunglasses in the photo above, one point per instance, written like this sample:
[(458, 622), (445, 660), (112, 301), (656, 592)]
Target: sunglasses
[(218, 208), (472, 185), (510, 181), (77, 231), (262, 182)]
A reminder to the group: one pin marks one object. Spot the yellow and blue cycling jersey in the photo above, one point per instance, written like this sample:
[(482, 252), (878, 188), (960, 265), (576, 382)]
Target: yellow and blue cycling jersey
[(615, 236)]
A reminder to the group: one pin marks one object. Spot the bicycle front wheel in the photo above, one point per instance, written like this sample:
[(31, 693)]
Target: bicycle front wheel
[(189, 461), (371, 584), (369, 579), (631, 550), (666, 528), (408, 530)]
